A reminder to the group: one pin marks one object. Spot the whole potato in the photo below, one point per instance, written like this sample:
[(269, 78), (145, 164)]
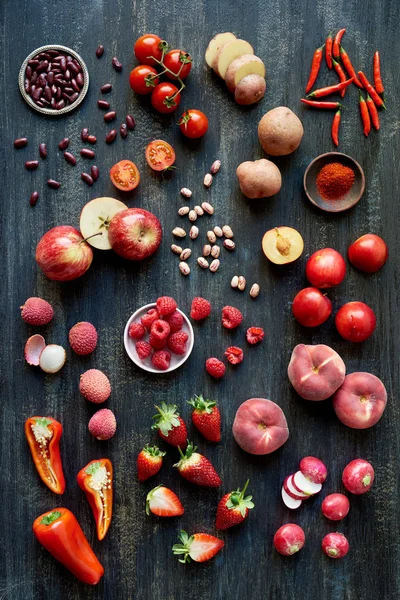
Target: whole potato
[(259, 178), (280, 131), (250, 89)]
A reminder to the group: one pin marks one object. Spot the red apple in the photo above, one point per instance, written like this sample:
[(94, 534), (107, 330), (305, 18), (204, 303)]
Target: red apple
[(63, 254), (369, 253), (311, 308), (360, 401), (355, 321), (135, 233), (325, 268)]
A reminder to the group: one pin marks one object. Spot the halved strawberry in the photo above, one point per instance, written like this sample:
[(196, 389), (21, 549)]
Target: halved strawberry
[(206, 418), (197, 468), (198, 547), (149, 462), (170, 425), (233, 508), (163, 502)]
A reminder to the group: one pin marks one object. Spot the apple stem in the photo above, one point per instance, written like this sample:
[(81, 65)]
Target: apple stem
[(90, 236)]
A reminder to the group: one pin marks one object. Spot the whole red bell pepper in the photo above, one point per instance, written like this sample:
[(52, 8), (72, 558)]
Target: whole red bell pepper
[(60, 533), (43, 435), (96, 481)]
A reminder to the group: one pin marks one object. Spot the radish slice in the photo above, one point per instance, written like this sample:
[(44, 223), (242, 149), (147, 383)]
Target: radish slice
[(305, 485), (288, 501), (294, 495), (292, 490), (33, 349)]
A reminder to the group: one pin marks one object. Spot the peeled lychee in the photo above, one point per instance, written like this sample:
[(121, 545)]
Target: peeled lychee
[(37, 311), (103, 424), (83, 338), (52, 358), (95, 386)]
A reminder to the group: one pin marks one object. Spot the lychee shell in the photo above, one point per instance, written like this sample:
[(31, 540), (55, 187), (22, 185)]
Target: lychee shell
[(83, 338), (103, 424), (37, 311), (95, 386)]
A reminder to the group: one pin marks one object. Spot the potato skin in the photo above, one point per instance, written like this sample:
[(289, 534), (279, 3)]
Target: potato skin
[(236, 65), (250, 89), (280, 131), (259, 178)]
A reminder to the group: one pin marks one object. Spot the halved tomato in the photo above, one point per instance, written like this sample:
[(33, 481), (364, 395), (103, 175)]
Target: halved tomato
[(160, 155), (125, 175)]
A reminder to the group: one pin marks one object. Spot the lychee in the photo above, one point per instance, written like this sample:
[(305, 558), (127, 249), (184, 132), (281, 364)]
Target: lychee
[(83, 338), (33, 348), (52, 358), (37, 311), (95, 386), (103, 424)]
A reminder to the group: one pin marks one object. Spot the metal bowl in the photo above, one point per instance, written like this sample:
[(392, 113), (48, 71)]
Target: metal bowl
[(341, 204), (50, 111)]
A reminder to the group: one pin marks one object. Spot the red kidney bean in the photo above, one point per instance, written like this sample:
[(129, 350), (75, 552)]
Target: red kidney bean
[(50, 78), (73, 68), (53, 103), (52, 52), (44, 102), (79, 80), (106, 88), (58, 93), (28, 72), (42, 67), (75, 86), (44, 56), (111, 135), (130, 122), (87, 153), (63, 145), (87, 178), (69, 90), (94, 172), (31, 164), (34, 198), (27, 86), (92, 139), (123, 130), (67, 74), (36, 94), (42, 79), (42, 151), (110, 116), (48, 93), (34, 78), (70, 158), (63, 63), (99, 51), (73, 97), (33, 63), (103, 104), (20, 142), (116, 64), (84, 134), (53, 184), (39, 103)]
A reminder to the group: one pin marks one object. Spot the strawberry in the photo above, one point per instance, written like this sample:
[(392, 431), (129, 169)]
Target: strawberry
[(198, 547), (170, 425), (197, 468), (206, 418), (149, 462), (163, 502), (233, 508)]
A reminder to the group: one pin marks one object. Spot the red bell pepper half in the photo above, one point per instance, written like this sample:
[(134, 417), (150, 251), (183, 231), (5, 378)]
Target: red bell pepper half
[(96, 481), (43, 435)]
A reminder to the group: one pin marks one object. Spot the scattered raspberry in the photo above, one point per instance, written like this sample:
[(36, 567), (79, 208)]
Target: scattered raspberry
[(136, 331), (103, 424), (234, 355), (231, 317), (143, 350), (161, 359), (159, 333), (149, 318), (166, 306), (201, 308), (95, 386), (83, 338), (175, 321), (215, 367), (254, 335), (177, 342), (37, 311)]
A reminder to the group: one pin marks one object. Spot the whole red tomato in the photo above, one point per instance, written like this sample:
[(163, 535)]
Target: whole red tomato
[(193, 123), (165, 98), (311, 308), (141, 79), (179, 62), (325, 268), (148, 45), (355, 321)]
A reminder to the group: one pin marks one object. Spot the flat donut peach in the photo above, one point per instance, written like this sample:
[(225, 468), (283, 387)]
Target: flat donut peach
[(260, 426), (316, 372)]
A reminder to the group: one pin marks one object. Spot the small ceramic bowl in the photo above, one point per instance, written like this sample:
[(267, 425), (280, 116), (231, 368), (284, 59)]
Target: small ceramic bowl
[(341, 204), (176, 361)]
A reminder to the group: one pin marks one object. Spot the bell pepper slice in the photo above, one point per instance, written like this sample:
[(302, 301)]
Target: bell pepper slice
[(96, 481), (60, 533), (43, 435)]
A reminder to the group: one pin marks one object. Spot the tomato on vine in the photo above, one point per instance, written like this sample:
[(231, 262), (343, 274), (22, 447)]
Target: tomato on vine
[(149, 45), (160, 155), (193, 123), (179, 62), (143, 79), (165, 98)]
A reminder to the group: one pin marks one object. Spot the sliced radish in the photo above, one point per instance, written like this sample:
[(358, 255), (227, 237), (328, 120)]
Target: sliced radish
[(305, 485), (289, 501), (293, 490), (33, 349)]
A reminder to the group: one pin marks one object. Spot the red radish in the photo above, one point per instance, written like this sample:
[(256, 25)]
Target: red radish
[(314, 469), (163, 502), (291, 490), (198, 547), (325, 268), (305, 485), (311, 307), (289, 539), (288, 501), (335, 507), (369, 253), (358, 476), (33, 349), (355, 321), (335, 545)]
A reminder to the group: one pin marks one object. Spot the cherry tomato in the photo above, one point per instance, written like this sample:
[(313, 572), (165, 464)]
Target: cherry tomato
[(125, 175), (163, 98), (160, 155), (193, 123), (141, 80), (148, 45), (179, 62)]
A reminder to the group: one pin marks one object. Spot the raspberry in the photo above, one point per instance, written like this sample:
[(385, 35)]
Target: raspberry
[(215, 367), (143, 349), (149, 318), (159, 332), (234, 355), (175, 321), (231, 317), (136, 331), (166, 305), (177, 342), (254, 335), (201, 308), (161, 359)]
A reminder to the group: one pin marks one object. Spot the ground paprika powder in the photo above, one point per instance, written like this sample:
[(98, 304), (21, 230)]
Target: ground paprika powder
[(334, 181)]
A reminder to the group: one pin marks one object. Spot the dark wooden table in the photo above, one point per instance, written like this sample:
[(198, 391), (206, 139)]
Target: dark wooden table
[(137, 552)]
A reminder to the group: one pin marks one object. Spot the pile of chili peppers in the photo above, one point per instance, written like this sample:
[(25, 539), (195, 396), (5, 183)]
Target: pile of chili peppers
[(337, 58)]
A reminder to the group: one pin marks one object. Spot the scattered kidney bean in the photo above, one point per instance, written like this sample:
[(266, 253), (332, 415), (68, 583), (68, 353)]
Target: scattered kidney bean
[(99, 51), (42, 150), (84, 134), (31, 164), (53, 184), (34, 198), (116, 64), (92, 139), (87, 153), (70, 158), (123, 130), (86, 178), (106, 88), (20, 142), (110, 137), (110, 116), (94, 172), (63, 145), (130, 122), (103, 104)]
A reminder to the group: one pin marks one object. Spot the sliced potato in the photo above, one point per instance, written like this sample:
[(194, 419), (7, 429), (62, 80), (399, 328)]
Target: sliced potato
[(250, 89), (227, 53), (219, 40), (244, 65)]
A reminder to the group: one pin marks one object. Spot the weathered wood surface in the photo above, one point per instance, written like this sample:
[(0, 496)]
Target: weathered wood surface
[(137, 552)]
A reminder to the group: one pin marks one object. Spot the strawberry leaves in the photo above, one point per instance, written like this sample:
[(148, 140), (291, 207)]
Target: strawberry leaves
[(237, 500)]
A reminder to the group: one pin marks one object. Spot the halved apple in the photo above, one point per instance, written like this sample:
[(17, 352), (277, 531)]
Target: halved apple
[(95, 218), (282, 245)]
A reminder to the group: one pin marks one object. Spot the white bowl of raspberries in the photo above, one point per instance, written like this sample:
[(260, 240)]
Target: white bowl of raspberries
[(159, 337)]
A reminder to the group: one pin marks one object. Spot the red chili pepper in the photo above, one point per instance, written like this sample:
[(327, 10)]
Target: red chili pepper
[(96, 481), (364, 114), (335, 127), (349, 67), (316, 104), (332, 89), (315, 66), (341, 73), (377, 74), (43, 435), (371, 91), (328, 50), (60, 533), (373, 111), (336, 43)]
